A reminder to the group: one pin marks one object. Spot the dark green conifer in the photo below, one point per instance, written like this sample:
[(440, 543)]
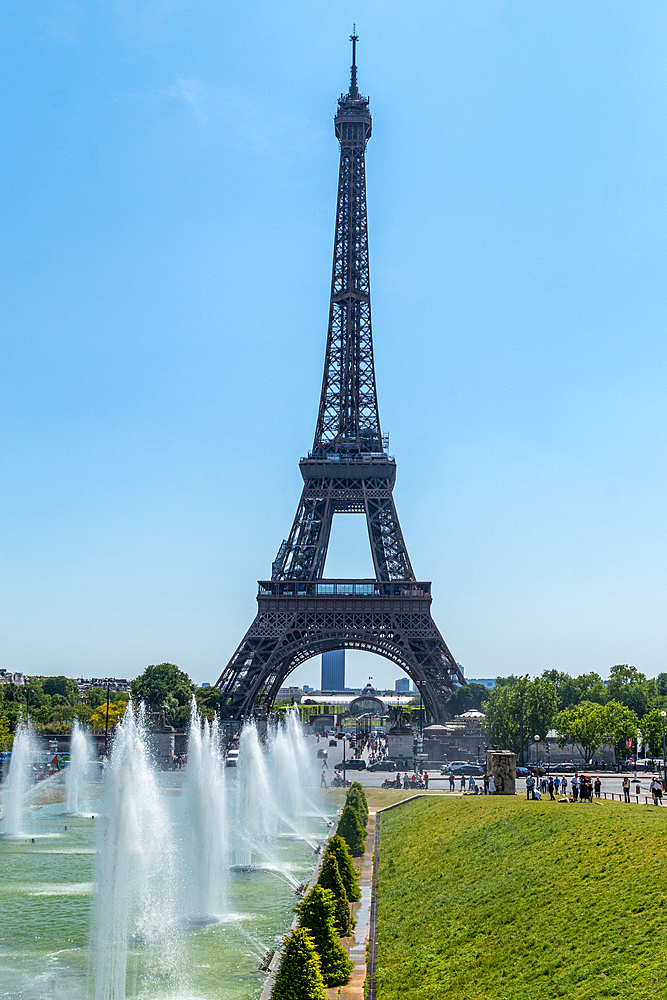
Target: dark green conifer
[(352, 832), (299, 976), (356, 797), (330, 879), (348, 873), (317, 915)]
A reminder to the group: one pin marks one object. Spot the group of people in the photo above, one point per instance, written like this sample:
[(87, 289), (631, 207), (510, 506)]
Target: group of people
[(655, 789), (488, 786)]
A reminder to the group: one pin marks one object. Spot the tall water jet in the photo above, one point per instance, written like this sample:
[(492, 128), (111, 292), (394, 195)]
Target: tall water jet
[(256, 824), (78, 769), (19, 780), (135, 871), (204, 820)]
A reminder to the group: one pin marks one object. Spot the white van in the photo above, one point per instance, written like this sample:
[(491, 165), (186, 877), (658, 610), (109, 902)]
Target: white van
[(232, 758)]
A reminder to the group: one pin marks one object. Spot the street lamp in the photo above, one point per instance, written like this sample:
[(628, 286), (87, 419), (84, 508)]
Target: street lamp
[(537, 760), (663, 716)]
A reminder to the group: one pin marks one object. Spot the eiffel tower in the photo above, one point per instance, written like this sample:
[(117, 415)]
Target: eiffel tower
[(300, 612)]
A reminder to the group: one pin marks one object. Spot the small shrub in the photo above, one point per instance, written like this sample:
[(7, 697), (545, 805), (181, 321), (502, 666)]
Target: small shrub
[(299, 976), (348, 873), (330, 879), (352, 831), (317, 915)]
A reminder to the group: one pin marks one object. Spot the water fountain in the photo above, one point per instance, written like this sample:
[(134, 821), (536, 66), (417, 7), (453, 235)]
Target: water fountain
[(19, 780), (78, 770), (204, 822), (135, 864)]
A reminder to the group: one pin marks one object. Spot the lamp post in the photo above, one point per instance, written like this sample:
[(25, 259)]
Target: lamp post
[(663, 716), (106, 724), (537, 760)]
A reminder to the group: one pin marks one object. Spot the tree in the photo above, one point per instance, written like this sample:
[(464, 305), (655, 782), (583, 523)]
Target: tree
[(96, 696), (330, 879), (61, 687), (651, 730), (352, 832), (538, 701), (661, 685), (6, 738), (573, 690), (629, 686), (356, 797), (466, 698), (98, 720), (589, 726), (337, 846), (316, 914), (299, 976), (163, 686)]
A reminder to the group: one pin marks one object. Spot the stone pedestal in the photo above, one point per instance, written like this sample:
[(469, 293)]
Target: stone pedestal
[(502, 765)]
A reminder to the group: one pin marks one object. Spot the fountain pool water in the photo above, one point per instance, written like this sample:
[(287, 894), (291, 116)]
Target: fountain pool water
[(129, 881)]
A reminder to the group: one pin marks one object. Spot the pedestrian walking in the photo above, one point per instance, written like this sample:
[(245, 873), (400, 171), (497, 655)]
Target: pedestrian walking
[(550, 786), (323, 779), (658, 792), (451, 782), (486, 784), (463, 782), (626, 789), (492, 785), (426, 780)]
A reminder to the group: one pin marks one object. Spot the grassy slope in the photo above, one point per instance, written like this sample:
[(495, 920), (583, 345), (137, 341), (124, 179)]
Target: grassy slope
[(495, 898)]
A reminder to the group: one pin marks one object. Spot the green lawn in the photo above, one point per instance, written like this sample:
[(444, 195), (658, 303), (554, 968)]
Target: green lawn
[(494, 898)]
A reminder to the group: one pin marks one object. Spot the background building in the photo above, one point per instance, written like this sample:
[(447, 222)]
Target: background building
[(333, 670), (402, 684)]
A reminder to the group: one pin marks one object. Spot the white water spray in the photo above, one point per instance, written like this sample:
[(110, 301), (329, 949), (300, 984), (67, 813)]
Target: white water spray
[(135, 876), (78, 769), (204, 821), (19, 781)]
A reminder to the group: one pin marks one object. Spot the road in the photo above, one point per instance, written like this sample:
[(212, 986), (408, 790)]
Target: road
[(611, 783)]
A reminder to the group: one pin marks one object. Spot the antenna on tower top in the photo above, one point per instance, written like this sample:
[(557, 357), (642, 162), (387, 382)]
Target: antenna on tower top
[(354, 38)]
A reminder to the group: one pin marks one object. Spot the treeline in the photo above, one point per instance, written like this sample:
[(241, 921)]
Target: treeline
[(623, 713)]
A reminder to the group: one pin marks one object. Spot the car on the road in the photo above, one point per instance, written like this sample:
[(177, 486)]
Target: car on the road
[(232, 758), (565, 768), (382, 765), (523, 772), (458, 768), (354, 764), (333, 743), (322, 752)]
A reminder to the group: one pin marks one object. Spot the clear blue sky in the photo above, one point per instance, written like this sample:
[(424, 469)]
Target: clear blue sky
[(169, 174)]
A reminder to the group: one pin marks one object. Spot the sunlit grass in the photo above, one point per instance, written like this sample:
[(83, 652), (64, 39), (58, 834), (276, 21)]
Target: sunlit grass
[(493, 898)]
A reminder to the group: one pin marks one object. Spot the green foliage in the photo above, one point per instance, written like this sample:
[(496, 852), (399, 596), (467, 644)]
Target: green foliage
[(651, 729), (96, 696), (467, 698), (573, 690), (6, 738), (348, 873), (352, 832), (299, 976), (589, 726), (330, 879), (356, 798), (164, 686), (630, 687), (317, 915), (503, 711), (451, 870), (63, 688)]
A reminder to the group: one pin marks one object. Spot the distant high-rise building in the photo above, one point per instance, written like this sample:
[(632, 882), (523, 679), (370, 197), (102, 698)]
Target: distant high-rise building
[(402, 684), (333, 670)]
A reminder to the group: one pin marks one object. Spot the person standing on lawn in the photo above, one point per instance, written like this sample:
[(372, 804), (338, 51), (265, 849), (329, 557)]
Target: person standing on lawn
[(530, 787), (626, 789), (551, 789), (486, 784), (597, 786), (492, 785), (556, 784), (563, 785), (575, 786)]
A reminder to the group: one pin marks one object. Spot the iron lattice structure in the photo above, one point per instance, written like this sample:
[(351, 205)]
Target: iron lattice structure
[(300, 613)]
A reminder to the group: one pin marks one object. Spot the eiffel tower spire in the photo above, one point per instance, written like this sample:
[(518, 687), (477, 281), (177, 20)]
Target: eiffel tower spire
[(348, 421), (300, 613)]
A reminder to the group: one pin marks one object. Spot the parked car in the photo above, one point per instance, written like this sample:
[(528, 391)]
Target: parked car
[(322, 752), (232, 758), (452, 763), (382, 765), (355, 764)]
